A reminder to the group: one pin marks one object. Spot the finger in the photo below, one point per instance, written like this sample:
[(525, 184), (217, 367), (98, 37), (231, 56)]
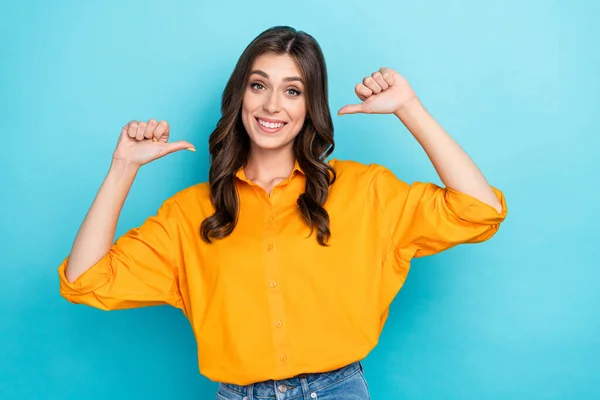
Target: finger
[(362, 91), (149, 132), (350, 109), (132, 131), (371, 84), (162, 130), (380, 81), (140, 130), (388, 75), (180, 145)]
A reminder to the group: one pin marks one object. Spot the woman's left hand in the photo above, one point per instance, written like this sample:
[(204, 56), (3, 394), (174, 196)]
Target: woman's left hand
[(384, 92)]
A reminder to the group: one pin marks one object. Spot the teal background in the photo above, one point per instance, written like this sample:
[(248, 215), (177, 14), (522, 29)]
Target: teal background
[(516, 83)]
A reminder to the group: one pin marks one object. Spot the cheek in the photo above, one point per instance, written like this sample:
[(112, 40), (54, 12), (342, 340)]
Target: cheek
[(245, 105), (249, 103), (299, 111)]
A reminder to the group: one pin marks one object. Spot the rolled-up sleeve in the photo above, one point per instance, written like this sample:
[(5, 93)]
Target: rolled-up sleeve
[(425, 219), (139, 269)]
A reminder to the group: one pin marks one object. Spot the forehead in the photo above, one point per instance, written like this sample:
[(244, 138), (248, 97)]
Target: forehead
[(277, 66)]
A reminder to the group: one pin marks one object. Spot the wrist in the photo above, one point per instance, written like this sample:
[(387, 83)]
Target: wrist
[(122, 167), (409, 108)]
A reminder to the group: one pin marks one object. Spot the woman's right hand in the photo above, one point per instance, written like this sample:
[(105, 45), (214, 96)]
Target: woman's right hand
[(141, 142)]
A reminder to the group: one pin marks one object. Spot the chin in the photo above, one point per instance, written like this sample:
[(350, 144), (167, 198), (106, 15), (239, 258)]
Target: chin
[(262, 144)]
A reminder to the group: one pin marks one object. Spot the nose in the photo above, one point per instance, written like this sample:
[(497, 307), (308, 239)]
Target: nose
[(272, 103)]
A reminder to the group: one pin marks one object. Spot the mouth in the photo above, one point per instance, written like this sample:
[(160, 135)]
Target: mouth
[(269, 125)]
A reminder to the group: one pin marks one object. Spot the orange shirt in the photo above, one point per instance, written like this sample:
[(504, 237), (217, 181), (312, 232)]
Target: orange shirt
[(268, 302)]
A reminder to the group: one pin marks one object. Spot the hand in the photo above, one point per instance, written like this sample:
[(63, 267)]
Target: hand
[(141, 142), (384, 92)]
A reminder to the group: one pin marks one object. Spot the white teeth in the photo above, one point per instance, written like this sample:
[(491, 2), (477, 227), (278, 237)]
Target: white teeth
[(271, 125)]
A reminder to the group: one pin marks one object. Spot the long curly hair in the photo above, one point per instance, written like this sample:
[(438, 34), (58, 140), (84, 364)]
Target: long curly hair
[(229, 144)]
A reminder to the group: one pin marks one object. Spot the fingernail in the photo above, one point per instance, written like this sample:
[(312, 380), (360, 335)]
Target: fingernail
[(191, 149), (154, 139)]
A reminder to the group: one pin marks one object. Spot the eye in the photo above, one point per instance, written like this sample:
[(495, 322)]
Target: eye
[(257, 86), (293, 92)]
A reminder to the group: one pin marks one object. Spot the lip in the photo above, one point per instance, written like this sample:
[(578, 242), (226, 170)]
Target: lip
[(270, 130), (275, 121)]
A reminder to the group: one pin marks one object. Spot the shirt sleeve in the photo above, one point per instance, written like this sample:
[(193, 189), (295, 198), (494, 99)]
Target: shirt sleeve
[(425, 219), (139, 270)]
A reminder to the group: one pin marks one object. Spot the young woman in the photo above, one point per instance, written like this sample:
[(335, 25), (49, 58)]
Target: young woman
[(284, 263)]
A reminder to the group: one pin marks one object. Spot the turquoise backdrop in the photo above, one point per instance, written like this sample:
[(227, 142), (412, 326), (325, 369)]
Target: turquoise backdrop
[(517, 83)]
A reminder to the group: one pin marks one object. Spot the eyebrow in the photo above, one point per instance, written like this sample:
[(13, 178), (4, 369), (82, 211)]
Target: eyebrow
[(266, 76)]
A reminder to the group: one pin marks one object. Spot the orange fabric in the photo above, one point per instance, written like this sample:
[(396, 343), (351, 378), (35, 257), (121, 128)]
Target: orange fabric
[(268, 302)]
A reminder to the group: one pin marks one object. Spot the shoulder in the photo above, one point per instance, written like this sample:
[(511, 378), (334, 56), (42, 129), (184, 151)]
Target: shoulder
[(354, 170), (191, 200), (355, 177)]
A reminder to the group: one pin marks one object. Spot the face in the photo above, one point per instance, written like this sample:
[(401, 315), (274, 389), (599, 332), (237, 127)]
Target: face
[(274, 105)]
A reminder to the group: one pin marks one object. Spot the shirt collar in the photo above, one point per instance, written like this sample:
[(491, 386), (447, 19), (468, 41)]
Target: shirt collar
[(241, 174)]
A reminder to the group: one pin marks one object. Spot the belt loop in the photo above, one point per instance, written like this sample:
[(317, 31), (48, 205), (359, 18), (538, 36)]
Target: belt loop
[(305, 388), (251, 391)]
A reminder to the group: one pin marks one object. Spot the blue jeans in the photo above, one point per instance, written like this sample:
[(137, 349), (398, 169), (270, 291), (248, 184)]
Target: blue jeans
[(346, 383)]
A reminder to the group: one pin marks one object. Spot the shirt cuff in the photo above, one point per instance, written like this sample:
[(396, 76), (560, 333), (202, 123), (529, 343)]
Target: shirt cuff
[(95, 277), (470, 209)]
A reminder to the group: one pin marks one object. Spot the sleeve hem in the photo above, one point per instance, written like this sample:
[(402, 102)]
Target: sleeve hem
[(471, 209), (92, 279)]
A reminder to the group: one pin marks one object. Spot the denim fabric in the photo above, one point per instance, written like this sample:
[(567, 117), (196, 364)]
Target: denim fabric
[(347, 383)]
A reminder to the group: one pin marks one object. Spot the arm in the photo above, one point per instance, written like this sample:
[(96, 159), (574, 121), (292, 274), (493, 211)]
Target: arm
[(453, 165), (422, 218), (139, 144), (388, 92), (139, 268), (97, 231)]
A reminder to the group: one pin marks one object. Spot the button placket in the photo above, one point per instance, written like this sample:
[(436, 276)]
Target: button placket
[(277, 315)]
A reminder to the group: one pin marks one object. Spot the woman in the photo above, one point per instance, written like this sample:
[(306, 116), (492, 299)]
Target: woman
[(284, 263)]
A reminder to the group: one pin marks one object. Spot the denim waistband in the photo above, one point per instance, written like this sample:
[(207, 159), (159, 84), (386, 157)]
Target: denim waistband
[(292, 387)]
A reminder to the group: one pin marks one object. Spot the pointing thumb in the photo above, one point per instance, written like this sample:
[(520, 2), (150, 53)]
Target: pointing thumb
[(180, 145), (350, 109)]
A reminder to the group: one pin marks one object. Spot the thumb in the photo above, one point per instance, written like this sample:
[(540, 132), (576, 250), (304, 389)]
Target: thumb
[(180, 145), (351, 109)]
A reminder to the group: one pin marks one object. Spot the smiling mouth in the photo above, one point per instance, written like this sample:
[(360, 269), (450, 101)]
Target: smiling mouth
[(270, 127)]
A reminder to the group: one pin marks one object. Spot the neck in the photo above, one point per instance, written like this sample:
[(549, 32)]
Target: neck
[(268, 164)]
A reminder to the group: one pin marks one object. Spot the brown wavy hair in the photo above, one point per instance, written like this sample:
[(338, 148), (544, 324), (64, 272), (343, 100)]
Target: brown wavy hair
[(229, 144)]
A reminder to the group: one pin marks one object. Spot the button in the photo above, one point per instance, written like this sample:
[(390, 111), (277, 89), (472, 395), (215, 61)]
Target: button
[(273, 284), (270, 219), (279, 324), (282, 388), (283, 358), (246, 398), (313, 395), (269, 247)]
